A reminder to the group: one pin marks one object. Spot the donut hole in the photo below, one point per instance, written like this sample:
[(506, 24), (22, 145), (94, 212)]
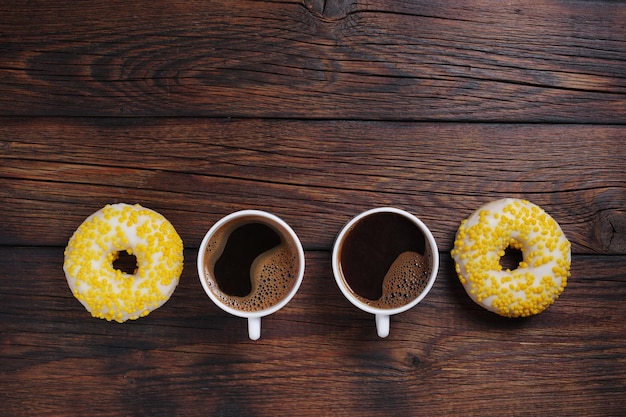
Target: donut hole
[(125, 262), (511, 258)]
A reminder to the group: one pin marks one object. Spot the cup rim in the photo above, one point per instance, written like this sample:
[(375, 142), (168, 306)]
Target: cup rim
[(343, 286), (250, 213)]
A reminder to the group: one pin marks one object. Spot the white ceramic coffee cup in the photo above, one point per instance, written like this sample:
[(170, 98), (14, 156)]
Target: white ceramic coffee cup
[(382, 314), (254, 317)]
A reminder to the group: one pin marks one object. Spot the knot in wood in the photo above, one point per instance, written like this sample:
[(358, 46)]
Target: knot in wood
[(610, 231), (329, 9)]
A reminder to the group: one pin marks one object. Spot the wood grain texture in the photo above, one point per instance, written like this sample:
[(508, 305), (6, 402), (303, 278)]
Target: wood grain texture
[(540, 60), (315, 174), (317, 356), (314, 110)]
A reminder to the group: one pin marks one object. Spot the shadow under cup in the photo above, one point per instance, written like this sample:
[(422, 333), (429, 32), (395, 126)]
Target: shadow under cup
[(385, 261), (251, 264)]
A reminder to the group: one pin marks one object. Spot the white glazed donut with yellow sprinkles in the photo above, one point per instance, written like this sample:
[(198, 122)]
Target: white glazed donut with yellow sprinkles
[(109, 293), (540, 277)]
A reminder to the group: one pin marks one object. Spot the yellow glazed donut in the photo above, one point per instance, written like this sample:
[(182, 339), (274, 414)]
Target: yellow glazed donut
[(107, 292), (541, 275)]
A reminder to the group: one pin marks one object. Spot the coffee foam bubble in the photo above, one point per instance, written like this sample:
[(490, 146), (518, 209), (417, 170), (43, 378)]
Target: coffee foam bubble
[(405, 280), (273, 273)]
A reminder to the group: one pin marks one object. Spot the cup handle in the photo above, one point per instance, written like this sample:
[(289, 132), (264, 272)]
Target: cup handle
[(254, 327), (382, 325)]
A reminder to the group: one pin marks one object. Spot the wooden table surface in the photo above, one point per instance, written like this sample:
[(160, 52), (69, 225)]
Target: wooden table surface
[(315, 111)]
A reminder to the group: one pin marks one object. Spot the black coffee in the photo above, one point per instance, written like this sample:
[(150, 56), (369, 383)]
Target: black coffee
[(243, 246), (251, 264), (385, 261)]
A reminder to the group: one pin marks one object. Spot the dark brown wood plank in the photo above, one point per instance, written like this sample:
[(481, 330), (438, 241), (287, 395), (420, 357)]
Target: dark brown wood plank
[(316, 174), (314, 110), (317, 356), (538, 61)]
